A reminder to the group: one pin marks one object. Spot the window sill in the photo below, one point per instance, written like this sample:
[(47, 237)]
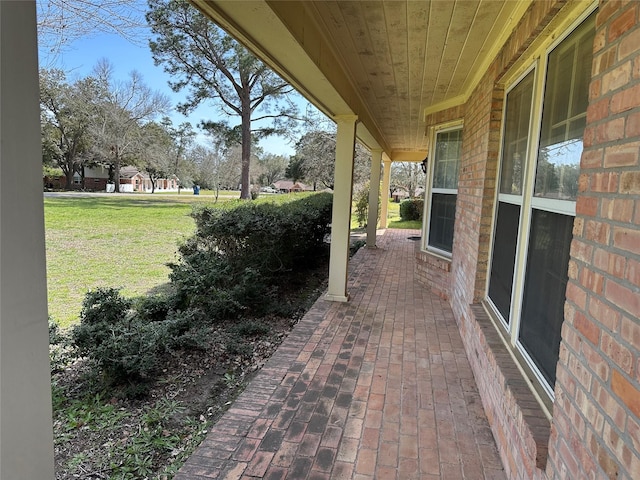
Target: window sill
[(519, 403), (436, 259)]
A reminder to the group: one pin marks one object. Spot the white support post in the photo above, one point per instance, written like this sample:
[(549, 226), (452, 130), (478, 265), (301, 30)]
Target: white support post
[(26, 432), (374, 197), (341, 213), (386, 180)]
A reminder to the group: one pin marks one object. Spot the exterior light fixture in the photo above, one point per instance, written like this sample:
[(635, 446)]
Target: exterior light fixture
[(424, 164)]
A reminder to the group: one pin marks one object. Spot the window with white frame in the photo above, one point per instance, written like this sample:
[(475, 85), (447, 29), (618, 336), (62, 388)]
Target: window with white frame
[(538, 184), (443, 193)]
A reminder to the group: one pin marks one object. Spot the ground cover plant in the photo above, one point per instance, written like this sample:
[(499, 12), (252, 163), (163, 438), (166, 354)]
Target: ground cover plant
[(139, 379)]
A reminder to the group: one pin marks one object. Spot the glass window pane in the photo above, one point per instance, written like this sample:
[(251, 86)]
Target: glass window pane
[(443, 214), (545, 289), (503, 260), (448, 148), (516, 135), (563, 114)]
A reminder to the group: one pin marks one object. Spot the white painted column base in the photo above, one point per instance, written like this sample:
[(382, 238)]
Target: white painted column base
[(341, 213)]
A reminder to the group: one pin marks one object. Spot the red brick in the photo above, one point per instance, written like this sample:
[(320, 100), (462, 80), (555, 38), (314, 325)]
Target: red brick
[(581, 251), (595, 361), (630, 183), (627, 392), (598, 110), (627, 99), (623, 297), (627, 239), (633, 272), (621, 355), (616, 79), (633, 427), (603, 313), (630, 331), (606, 11), (609, 262), (604, 182), (619, 209), (629, 44), (587, 206), (632, 127), (600, 40), (577, 295), (610, 131), (604, 61), (592, 159), (592, 281), (587, 328), (622, 155), (597, 232), (594, 92), (622, 24)]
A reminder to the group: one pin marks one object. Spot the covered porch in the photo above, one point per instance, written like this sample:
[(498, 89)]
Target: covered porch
[(379, 387)]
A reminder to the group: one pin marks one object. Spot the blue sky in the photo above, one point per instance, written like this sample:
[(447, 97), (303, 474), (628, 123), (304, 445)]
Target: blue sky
[(80, 57)]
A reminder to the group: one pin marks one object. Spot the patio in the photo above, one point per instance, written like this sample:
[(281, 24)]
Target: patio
[(379, 387)]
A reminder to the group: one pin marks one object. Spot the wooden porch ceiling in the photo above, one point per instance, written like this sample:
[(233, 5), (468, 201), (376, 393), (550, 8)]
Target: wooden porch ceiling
[(391, 62)]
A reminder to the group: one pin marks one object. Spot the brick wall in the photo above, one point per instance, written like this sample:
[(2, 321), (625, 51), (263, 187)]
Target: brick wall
[(596, 424), (433, 271)]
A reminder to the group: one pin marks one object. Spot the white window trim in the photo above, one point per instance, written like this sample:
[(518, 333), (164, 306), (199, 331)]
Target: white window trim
[(429, 190), (528, 202)]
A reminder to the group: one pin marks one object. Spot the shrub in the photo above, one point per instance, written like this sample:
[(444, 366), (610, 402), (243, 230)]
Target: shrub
[(124, 347), (240, 254), (104, 305), (411, 209), (154, 308)]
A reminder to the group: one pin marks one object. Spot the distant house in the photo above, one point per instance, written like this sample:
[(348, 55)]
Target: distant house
[(287, 186), (399, 194), (131, 180)]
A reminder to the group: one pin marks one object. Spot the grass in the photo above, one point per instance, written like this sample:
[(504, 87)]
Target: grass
[(396, 222), (124, 241), (119, 241), (393, 217)]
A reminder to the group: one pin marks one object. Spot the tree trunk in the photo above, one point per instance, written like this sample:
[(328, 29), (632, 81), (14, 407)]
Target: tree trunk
[(68, 179), (245, 194), (116, 173)]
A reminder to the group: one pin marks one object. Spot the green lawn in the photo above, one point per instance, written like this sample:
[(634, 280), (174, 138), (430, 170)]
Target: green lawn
[(396, 222), (120, 241)]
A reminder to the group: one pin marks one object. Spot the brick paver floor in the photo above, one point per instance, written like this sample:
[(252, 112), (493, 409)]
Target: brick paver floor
[(376, 388)]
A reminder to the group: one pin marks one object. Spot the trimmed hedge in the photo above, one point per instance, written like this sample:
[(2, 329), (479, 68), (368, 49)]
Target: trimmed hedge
[(240, 255), (411, 209)]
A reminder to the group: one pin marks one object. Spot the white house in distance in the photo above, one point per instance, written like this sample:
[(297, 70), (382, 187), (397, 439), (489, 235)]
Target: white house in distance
[(132, 179)]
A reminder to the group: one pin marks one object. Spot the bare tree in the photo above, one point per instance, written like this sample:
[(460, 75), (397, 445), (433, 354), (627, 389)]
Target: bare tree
[(156, 155), (314, 160), (271, 168), (60, 22), (121, 110), (407, 176)]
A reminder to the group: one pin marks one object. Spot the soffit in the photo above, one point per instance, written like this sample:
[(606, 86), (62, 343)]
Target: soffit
[(389, 62)]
